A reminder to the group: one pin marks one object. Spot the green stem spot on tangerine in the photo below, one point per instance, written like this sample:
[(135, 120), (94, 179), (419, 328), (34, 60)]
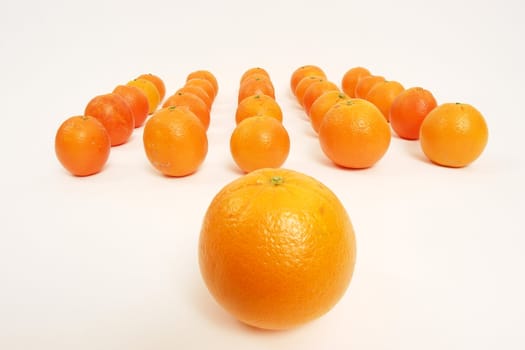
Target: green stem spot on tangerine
[(276, 180), (171, 108)]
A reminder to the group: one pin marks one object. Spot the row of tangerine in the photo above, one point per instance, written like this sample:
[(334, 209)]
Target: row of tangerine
[(352, 134)]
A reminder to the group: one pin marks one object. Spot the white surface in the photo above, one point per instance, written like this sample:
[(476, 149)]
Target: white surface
[(110, 261)]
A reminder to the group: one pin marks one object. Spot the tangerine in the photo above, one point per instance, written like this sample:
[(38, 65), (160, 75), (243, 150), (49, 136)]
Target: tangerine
[(259, 142), (453, 134), (82, 145)]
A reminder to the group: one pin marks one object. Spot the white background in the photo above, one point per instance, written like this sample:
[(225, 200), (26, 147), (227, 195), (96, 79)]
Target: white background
[(110, 261)]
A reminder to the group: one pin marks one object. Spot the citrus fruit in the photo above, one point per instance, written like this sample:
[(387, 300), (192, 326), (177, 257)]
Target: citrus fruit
[(157, 81), (259, 142), (137, 102), (354, 134), (408, 111), (255, 70), (351, 78), (303, 72), (258, 105), (82, 145), (204, 84), (383, 95), (255, 84), (314, 91), (276, 248), (206, 75), (175, 141), (365, 84), (453, 134), (197, 91), (150, 90), (115, 114), (304, 84), (194, 103), (322, 105)]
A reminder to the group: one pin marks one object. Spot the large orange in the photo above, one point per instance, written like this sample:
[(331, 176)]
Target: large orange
[(276, 248), (453, 134), (354, 134)]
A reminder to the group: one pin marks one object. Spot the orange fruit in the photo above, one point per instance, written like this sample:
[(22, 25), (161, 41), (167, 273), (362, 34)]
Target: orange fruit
[(157, 81), (175, 141), (408, 111), (255, 84), (453, 134), (254, 70), (351, 78), (204, 84), (365, 84), (259, 142), (82, 145), (383, 95), (137, 102), (194, 103), (197, 91), (354, 134), (206, 75), (115, 114), (314, 91), (150, 90), (303, 72), (304, 84), (276, 249), (323, 104), (258, 105)]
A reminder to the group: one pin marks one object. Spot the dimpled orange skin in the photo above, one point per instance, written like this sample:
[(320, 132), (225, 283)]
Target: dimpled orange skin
[(175, 141), (453, 134), (276, 249)]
